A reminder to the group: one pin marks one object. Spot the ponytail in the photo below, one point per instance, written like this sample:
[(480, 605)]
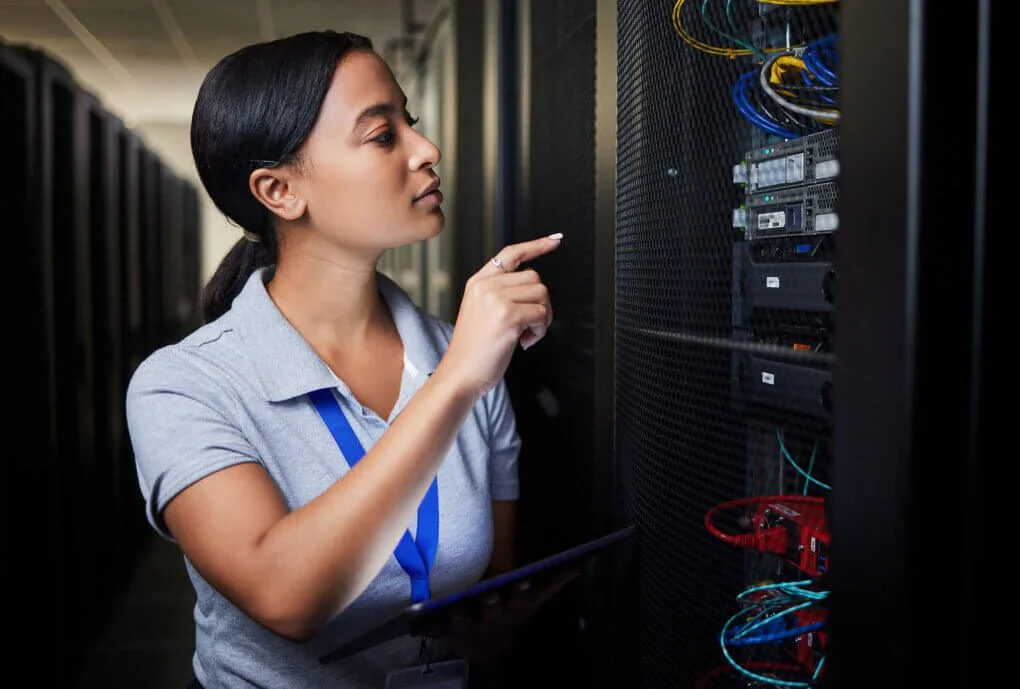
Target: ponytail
[(243, 259)]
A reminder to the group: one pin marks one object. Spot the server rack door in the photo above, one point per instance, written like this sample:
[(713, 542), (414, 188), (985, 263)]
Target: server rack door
[(43, 546), (547, 159), (727, 230), (152, 248), (103, 184), (171, 236), (64, 208), (131, 302), (920, 261)]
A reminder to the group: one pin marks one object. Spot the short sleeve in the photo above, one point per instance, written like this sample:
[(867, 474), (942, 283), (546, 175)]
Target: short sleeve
[(182, 428), (504, 445)]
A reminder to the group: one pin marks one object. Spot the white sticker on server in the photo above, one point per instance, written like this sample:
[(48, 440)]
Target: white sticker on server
[(772, 281), (768, 378), (795, 168), (771, 221), (826, 222)]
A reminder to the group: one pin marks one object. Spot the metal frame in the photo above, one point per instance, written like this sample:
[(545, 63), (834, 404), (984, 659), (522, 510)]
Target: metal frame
[(907, 371)]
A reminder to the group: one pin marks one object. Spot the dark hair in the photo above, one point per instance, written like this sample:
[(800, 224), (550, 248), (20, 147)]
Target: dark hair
[(255, 109)]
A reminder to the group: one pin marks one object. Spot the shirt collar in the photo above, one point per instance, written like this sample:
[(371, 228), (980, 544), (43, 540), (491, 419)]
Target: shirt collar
[(286, 364)]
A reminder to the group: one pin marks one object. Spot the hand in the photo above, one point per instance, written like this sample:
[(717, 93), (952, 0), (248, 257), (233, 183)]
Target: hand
[(502, 307), (480, 634)]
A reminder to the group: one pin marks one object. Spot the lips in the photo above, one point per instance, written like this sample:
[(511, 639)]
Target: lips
[(433, 186)]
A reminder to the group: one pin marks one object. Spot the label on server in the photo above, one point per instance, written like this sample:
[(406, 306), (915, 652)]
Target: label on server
[(771, 221), (769, 173)]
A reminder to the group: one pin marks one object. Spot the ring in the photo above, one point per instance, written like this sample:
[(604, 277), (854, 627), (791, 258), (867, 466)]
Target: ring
[(496, 261)]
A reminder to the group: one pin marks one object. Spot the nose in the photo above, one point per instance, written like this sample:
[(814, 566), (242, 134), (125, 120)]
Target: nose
[(424, 153)]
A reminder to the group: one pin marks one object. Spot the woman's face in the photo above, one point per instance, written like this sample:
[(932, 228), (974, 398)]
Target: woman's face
[(368, 177)]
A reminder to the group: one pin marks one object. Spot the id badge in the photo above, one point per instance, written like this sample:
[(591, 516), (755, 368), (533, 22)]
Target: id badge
[(447, 674)]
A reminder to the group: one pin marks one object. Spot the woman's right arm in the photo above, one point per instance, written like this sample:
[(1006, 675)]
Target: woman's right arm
[(293, 571)]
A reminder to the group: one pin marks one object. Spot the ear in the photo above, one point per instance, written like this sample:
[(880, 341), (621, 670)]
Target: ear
[(274, 189)]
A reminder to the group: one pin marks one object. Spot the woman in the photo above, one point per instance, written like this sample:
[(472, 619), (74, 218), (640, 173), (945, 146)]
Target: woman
[(248, 434)]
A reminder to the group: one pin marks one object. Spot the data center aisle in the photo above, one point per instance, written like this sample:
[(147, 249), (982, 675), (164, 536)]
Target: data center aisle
[(150, 639)]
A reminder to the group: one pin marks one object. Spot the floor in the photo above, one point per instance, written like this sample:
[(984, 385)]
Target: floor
[(150, 639)]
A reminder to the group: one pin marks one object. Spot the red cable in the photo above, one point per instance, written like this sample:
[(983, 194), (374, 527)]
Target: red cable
[(752, 539)]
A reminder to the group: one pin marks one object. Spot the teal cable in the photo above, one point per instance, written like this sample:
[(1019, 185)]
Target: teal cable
[(742, 44), (811, 465), (745, 671), (733, 25), (789, 457)]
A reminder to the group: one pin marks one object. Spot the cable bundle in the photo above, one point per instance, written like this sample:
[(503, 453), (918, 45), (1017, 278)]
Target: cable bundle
[(795, 89), (774, 613)]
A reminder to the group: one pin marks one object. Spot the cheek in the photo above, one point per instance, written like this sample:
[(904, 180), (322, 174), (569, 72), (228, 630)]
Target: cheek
[(357, 194)]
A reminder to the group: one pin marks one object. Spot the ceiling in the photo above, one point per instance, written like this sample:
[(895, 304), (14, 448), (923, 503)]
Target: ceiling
[(145, 59)]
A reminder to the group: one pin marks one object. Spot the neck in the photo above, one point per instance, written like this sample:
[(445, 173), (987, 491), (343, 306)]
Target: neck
[(331, 301)]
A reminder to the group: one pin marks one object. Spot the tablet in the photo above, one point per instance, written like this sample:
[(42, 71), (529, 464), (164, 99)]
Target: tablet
[(431, 613)]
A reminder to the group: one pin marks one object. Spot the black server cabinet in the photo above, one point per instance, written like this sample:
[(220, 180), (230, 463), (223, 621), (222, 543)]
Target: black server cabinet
[(171, 238), (805, 328), (39, 542), (104, 215), (564, 497), (61, 143), (923, 314), (134, 315), (727, 228), (150, 208)]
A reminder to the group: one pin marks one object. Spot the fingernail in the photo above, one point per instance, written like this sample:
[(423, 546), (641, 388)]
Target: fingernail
[(556, 235)]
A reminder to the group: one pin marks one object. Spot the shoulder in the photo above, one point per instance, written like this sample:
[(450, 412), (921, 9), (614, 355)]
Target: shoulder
[(202, 365)]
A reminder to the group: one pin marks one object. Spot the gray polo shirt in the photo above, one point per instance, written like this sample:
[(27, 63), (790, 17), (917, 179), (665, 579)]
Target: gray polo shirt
[(236, 390)]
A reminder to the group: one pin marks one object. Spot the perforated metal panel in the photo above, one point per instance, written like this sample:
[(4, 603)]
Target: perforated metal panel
[(723, 349)]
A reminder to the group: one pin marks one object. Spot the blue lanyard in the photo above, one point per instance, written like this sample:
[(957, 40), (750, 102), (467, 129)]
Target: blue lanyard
[(415, 557)]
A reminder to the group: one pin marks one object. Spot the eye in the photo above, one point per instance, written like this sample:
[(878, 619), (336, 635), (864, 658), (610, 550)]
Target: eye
[(385, 138)]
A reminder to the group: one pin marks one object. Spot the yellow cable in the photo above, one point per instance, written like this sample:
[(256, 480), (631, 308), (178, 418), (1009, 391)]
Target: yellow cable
[(698, 45), (780, 68), (724, 51)]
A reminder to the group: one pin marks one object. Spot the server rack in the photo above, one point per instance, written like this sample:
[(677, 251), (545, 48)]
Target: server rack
[(134, 316), (38, 542), (805, 313), (150, 181), (63, 231), (547, 110), (88, 245), (921, 311), (725, 304), (104, 181), (171, 240)]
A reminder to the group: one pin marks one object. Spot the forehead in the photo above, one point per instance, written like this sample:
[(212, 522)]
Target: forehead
[(362, 79)]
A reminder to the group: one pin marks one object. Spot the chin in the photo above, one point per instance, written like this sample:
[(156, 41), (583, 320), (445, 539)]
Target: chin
[(434, 224)]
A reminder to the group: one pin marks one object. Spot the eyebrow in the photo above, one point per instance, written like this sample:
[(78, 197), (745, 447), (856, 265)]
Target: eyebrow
[(377, 110)]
